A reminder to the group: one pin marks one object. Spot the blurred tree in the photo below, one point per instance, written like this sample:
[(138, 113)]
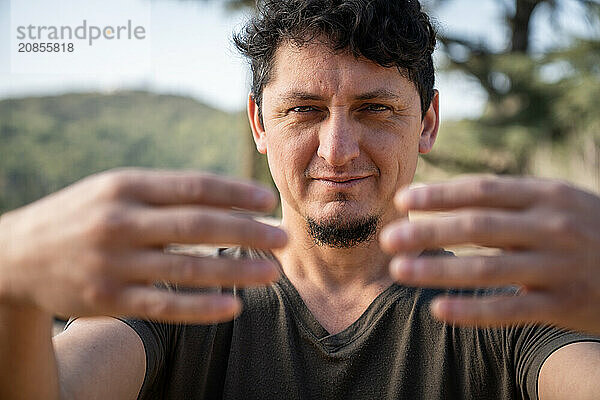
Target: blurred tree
[(535, 96), (255, 165), (237, 4)]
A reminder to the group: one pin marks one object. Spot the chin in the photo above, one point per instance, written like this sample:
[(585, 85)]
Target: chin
[(343, 230), (341, 211)]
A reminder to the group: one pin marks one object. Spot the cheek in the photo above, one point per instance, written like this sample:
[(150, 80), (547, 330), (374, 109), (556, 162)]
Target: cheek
[(288, 156), (397, 158)]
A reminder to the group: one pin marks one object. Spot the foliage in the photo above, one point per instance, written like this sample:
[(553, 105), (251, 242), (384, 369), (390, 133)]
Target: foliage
[(535, 112), (534, 99), (47, 143)]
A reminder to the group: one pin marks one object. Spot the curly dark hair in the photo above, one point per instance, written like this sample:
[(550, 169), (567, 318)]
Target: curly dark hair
[(388, 32)]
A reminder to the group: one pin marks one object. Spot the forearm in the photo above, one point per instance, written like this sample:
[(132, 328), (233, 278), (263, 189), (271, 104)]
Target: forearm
[(27, 362)]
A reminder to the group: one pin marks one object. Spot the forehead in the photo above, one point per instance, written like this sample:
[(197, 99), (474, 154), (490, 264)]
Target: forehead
[(316, 68)]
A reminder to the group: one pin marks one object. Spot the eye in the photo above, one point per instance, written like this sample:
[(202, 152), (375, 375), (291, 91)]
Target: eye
[(376, 108), (302, 109)]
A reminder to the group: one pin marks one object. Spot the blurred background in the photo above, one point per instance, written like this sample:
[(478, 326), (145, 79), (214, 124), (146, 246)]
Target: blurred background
[(519, 82)]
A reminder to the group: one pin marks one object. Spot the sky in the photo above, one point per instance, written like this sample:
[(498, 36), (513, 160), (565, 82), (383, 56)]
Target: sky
[(187, 49)]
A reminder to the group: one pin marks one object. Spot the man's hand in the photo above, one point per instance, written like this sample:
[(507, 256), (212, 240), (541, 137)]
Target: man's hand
[(96, 247), (549, 233)]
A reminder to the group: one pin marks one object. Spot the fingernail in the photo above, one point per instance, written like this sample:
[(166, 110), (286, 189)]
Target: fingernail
[(412, 198), (267, 268), (392, 238), (237, 308), (277, 237), (401, 234), (228, 302), (384, 235), (438, 307), (263, 198), (402, 199), (444, 308), (401, 269)]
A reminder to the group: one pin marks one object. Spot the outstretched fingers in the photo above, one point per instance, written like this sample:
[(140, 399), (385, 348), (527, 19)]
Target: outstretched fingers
[(162, 187), (194, 224), (495, 192), (163, 305), (495, 228), (532, 269), (153, 265), (495, 310)]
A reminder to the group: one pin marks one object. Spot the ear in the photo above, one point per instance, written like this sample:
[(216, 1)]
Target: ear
[(430, 125), (258, 131)]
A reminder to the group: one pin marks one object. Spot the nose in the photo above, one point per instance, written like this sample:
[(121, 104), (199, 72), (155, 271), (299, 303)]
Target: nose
[(338, 141)]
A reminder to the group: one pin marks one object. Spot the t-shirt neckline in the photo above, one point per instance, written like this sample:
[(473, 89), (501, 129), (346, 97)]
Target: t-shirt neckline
[(337, 341), (334, 343)]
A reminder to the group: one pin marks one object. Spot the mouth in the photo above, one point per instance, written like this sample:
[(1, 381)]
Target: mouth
[(338, 182)]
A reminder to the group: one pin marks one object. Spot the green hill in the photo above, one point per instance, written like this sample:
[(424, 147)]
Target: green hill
[(47, 143)]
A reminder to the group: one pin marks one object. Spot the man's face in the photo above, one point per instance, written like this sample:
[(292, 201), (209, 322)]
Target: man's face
[(341, 135)]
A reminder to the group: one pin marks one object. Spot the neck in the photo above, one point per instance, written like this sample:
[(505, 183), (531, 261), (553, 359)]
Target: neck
[(328, 269), (337, 285)]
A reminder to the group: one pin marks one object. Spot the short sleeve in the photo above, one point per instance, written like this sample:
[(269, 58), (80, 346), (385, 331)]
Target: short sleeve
[(533, 344), (157, 339)]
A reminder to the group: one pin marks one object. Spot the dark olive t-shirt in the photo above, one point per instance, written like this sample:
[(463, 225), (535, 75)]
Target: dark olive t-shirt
[(276, 349)]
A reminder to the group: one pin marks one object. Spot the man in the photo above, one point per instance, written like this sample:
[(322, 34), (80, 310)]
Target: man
[(342, 103)]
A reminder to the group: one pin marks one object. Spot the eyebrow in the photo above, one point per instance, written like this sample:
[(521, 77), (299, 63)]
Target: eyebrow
[(375, 94), (299, 95), (380, 94)]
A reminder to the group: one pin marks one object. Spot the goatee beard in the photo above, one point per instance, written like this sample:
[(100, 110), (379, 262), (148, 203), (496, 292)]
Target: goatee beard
[(343, 233)]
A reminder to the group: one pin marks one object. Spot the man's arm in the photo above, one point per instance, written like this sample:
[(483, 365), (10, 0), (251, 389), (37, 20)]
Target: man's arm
[(27, 364), (95, 248), (571, 372), (99, 358)]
